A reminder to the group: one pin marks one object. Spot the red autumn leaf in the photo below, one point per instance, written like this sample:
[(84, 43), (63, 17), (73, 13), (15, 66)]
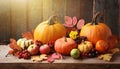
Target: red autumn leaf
[(11, 51), (74, 20), (80, 23), (50, 59), (68, 22), (53, 57), (13, 45), (28, 35), (56, 56)]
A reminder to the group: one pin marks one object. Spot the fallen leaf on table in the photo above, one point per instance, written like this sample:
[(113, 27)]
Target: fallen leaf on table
[(115, 50), (106, 57), (39, 58), (53, 57), (56, 56), (13, 45), (50, 59)]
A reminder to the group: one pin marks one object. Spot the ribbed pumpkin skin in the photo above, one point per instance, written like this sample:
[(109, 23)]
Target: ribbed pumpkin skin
[(45, 32), (64, 47), (85, 46), (96, 32)]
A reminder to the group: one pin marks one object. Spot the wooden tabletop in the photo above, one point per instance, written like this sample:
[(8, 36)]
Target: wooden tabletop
[(67, 60)]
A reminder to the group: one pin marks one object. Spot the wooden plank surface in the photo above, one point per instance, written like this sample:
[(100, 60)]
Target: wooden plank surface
[(12, 62), (11, 59)]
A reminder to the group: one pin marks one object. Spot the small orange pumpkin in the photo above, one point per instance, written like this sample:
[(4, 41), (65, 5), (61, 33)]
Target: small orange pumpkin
[(95, 31), (49, 30), (101, 46), (64, 45)]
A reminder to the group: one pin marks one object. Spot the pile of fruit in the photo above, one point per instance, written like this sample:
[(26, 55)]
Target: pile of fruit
[(51, 40)]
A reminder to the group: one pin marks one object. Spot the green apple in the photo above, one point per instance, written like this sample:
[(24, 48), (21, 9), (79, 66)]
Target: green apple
[(75, 53)]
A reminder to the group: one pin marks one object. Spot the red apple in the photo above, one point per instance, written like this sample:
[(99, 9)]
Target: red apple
[(44, 49), (33, 49)]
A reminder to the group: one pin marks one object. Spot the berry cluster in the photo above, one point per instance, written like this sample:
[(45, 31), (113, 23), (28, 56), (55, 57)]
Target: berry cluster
[(38, 43), (51, 45), (23, 54), (93, 53)]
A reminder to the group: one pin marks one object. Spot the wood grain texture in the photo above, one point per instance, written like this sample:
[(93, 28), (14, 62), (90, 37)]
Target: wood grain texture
[(57, 66), (86, 10), (4, 20), (12, 62), (111, 15), (17, 16), (119, 16), (34, 13), (18, 12)]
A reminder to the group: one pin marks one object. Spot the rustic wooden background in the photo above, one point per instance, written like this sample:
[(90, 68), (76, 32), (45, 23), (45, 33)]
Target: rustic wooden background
[(17, 16)]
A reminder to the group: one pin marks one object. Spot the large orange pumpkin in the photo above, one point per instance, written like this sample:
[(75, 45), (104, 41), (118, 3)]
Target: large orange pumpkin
[(49, 30), (95, 31), (64, 45)]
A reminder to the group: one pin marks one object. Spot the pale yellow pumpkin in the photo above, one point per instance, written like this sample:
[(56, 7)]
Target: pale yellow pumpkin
[(49, 30), (85, 46)]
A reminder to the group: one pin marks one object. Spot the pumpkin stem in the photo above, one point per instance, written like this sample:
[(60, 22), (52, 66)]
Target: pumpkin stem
[(83, 41), (52, 19), (65, 39), (94, 19)]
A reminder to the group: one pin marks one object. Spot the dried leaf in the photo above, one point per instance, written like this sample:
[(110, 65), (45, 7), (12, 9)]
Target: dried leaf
[(105, 57), (74, 20), (39, 58), (68, 20), (28, 35), (114, 51), (50, 59), (13, 45), (11, 51), (53, 57), (56, 56), (80, 23)]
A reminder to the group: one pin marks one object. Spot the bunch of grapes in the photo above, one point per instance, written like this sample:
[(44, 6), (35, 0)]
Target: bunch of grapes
[(93, 53), (23, 54)]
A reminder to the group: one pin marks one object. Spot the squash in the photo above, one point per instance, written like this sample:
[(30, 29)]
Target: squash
[(95, 31), (49, 30), (101, 46), (85, 46), (64, 45)]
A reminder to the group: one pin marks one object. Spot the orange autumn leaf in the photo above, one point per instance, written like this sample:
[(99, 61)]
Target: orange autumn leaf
[(28, 35), (13, 44), (39, 58)]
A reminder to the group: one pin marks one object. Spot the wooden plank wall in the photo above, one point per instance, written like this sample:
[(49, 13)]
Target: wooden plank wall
[(17, 16)]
